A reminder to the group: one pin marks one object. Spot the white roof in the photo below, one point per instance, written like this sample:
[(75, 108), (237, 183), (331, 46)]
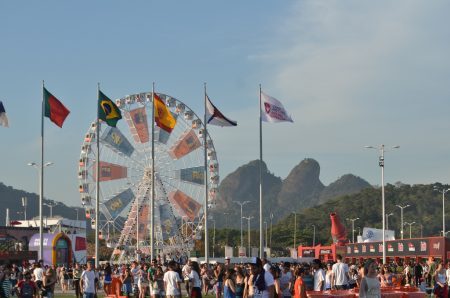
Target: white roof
[(54, 221)]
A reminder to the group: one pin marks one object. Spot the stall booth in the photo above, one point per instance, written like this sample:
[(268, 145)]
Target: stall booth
[(324, 253), (57, 248), (401, 251)]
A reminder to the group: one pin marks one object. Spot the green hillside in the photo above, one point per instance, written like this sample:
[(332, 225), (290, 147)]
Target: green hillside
[(425, 210)]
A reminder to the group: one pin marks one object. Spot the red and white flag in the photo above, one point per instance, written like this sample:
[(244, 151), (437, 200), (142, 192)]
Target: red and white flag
[(272, 110)]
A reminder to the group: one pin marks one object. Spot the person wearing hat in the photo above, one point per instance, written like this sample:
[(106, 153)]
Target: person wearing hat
[(263, 283)]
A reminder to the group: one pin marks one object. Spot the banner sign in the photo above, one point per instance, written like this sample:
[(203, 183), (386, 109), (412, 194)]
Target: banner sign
[(109, 171), (373, 235), (184, 204), (137, 122), (118, 203), (144, 222), (187, 143), (167, 221), (115, 140), (194, 175)]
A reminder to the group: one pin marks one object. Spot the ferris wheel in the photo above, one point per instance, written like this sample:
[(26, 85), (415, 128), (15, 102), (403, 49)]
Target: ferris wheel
[(125, 177)]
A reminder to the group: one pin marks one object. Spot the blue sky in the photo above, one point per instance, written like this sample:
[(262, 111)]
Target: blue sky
[(351, 73)]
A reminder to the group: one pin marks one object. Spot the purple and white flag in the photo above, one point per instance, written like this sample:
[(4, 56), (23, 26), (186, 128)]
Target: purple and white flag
[(273, 110), (215, 117)]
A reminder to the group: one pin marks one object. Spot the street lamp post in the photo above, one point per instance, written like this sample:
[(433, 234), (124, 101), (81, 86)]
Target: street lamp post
[(24, 205), (226, 226), (387, 220), (40, 169), (241, 204), (295, 228), (51, 208), (381, 164), (443, 191), (266, 242), (410, 225), (214, 237), (421, 230), (314, 235), (270, 237), (249, 247), (353, 227), (401, 218)]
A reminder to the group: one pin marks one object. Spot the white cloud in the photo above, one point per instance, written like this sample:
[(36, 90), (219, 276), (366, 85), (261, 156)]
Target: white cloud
[(354, 73)]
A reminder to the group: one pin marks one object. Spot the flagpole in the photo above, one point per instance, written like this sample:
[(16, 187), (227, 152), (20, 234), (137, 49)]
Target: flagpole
[(205, 211), (97, 195), (261, 253), (41, 182), (152, 199)]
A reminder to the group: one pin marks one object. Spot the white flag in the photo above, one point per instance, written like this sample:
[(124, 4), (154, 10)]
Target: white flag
[(272, 110)]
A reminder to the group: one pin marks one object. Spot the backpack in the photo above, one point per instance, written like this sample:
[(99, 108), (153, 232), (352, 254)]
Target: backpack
[(27, 290)]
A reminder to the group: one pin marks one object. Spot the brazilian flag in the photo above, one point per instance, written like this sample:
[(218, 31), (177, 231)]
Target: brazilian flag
[(107, 110)]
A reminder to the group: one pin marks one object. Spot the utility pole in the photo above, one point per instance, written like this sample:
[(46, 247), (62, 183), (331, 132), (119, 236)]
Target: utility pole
[(249, 247), (241, 204)]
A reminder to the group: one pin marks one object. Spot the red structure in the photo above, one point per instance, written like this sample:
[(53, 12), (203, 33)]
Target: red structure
[(338, 231), (396, 250), (328, 253)]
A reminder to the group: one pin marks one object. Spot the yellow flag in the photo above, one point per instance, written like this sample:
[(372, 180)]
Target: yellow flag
[(163, 117)]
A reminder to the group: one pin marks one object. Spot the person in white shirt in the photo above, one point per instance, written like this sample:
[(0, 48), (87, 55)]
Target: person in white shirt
[(87, 282), (38, 273), (172, 281), (196, 282), (339, 276), (319, 275), (263, 283)]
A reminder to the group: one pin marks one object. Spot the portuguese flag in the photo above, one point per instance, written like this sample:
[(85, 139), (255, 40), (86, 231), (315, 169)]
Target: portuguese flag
[(54, 109)]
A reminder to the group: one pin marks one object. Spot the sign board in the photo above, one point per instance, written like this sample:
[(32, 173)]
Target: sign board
[(228, 251), (373, 235), (293, 253), (255, 252)]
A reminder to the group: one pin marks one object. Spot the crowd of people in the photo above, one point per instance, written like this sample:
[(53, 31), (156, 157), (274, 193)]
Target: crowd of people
[(256, 279)]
